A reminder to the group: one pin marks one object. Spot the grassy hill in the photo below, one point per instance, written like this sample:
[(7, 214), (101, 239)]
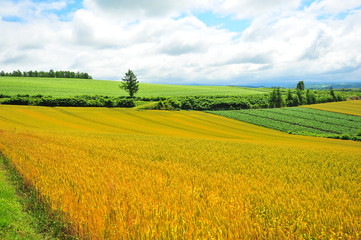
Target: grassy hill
[(65, 87)]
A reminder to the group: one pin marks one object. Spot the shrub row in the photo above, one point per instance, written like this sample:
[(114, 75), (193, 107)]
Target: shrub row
[(214, 103), (201, 103), (344, 136), (145, 99), (69, 102), (247, 102)]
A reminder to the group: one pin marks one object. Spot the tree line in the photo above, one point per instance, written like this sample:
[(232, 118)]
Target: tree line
[(299, 96), (50, 74)]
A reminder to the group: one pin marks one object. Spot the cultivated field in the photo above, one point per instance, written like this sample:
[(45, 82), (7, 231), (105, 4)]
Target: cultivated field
[(126, 174), (301, 120), (67, 87), (348, 107)]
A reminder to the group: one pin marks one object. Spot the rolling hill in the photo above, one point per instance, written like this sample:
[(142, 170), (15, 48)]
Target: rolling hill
[(65, 87), (127, 174)]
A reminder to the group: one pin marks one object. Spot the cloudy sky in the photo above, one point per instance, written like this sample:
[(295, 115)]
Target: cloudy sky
[(218, 42)]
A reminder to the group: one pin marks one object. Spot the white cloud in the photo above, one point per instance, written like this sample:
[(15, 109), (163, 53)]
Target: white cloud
[(329, 7), (27, 10), (141, 8), (255, 8), (286, 44)]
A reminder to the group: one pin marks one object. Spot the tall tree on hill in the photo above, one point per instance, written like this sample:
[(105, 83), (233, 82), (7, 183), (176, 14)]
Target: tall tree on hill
[(333, 95), (51, 73), (300, 85), (130, 83)]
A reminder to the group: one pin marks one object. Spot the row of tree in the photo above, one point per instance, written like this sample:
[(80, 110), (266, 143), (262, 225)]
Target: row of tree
[(301, 97), (50, 74)]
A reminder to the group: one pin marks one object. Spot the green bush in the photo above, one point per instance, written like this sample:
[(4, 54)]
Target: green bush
[(358, 133), (214, 103), (4, 96), (345, 136), (128, 103), (17, 101), (80, 101)]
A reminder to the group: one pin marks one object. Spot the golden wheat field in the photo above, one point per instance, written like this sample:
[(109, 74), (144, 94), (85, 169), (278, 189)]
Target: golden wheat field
[(348, 107), (126, 174)]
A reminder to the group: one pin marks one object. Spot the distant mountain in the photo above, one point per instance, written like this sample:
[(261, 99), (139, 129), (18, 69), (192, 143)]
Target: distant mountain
[(309, 85)]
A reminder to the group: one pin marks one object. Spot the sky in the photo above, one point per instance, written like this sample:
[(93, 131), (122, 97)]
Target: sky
[(212, 42)]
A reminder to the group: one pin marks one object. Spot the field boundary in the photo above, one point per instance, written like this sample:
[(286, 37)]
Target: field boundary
[(45, 222)]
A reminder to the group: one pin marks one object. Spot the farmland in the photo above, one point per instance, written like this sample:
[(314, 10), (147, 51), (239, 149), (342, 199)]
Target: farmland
[(121, 174), (65, 87), (299, 120), (349, 107)]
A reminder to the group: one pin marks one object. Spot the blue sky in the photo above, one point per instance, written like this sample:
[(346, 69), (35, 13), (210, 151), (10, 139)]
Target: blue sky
[(211, 19), (186, 42), (223, 21)]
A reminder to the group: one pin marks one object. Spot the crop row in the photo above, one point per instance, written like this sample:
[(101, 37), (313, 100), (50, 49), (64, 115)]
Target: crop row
[(284, 126), (300, 122), (311, 124), (314, 116), (328, 114)]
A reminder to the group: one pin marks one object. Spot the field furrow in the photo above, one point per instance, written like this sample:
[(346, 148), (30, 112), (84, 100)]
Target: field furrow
[(126, 174), (299, 120), (348, 107)]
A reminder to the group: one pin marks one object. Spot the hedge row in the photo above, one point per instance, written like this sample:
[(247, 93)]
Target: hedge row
[(69, 102), (214, 103), (244, 102)]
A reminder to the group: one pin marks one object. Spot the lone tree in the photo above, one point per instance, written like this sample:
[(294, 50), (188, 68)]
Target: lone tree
[(300, 85), (333, 95), (130, 83)]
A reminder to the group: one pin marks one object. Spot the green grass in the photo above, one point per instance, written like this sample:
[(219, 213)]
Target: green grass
[(22, 215), (14, 222), (58, 87), (301, 121)]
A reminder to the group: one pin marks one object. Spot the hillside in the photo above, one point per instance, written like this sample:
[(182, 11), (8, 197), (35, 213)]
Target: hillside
[(65, 87), (127, 174), (349, 107)]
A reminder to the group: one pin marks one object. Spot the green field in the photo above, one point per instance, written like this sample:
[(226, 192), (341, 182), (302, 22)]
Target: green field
[(65, 87), (299, 120)]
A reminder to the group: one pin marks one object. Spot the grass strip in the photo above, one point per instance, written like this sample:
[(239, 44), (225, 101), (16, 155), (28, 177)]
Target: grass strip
[(23, 214)]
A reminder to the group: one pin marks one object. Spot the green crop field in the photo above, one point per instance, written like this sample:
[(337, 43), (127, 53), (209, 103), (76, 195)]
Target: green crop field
[(299, 120), (65, 87)]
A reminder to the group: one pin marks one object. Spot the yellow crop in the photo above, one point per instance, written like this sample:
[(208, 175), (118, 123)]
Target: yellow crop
[(348, 107), (125, 174)]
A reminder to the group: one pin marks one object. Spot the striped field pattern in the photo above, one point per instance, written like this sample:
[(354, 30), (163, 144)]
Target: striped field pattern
[(127, 174), (348, 107), (299, 120)]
